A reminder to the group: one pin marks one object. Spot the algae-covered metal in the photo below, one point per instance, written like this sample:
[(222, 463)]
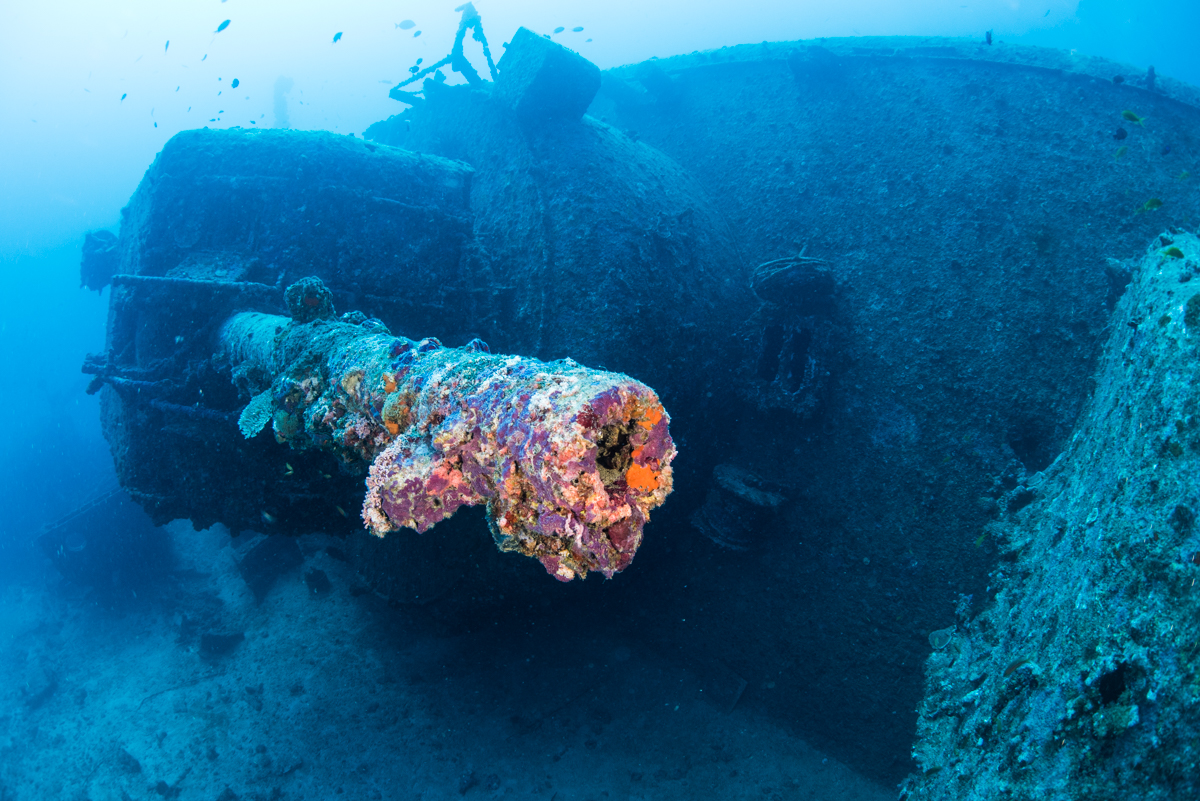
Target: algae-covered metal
[(569, 461), (1078, 680)]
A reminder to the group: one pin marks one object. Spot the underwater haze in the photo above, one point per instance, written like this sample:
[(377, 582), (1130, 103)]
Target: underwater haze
[(568, 400)]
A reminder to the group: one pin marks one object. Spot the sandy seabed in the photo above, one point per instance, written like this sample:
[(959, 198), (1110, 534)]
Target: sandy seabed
[(334, 694)]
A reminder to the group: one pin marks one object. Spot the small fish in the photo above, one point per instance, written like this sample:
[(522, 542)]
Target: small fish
[(176, 88), (235, 83), (1120, 134), (337, 37), (289, 469), (156, 125), (125, 95), (1166, 149), (1173, 253), (1047, 13), (559, 29), (204, 56), (1153, 204), (1120, 152), (408, 24), (1118, 79), (988, 37), (167, 46), (1183, 176), (268, 517), (414, 70), (589, 40), (1131, 117), (415, 35), (341, 511), (222, 26), (419, 60), (578, 29), (327, 475)]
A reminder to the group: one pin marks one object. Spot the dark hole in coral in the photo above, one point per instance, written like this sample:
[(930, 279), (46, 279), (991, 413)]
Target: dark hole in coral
[(1112, 684), (1191, 312), (1031, 445), (768, 361), (613, 448), (1182, 518), (1118, 279), (1060, 528)]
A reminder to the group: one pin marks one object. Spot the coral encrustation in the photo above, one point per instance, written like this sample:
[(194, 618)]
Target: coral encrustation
[(569, 461)]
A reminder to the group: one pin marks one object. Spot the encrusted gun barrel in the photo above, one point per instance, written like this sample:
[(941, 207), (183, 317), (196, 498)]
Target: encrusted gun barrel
[(569, 461)]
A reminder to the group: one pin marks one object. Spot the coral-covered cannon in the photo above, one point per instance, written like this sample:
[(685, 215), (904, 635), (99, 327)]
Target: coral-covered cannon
[(569, 461)]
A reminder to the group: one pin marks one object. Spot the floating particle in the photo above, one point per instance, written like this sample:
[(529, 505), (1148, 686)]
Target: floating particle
[(124, 96), (577, 29), (1166, 149), (589, 40), (559, 29), (222, 26), (406, 25), (156, 125), (235, 83), (176, 88), (204, 57), (415, 35), (337, 37), (167, 46)]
